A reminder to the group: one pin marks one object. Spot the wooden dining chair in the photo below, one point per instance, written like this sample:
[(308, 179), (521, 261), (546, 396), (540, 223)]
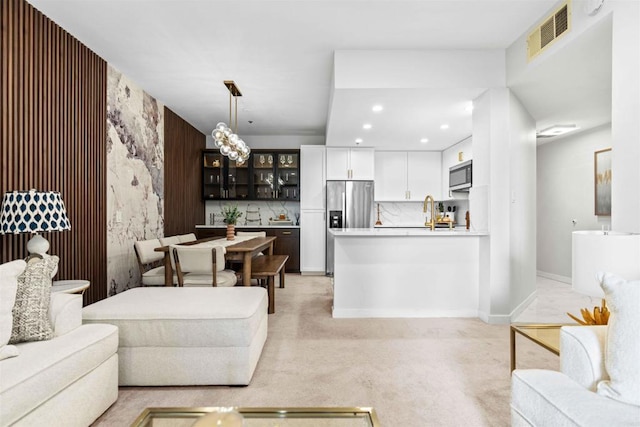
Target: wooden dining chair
[(201, 266), (150, 262)]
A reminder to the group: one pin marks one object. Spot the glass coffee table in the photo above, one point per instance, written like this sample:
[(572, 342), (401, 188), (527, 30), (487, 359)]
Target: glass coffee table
[(263, 417), (545, 335)]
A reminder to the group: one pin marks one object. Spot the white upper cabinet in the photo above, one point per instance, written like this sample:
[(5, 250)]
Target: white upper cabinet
[(391, 175), (424, 175), (407, 176), (350, 163), (312, 181)]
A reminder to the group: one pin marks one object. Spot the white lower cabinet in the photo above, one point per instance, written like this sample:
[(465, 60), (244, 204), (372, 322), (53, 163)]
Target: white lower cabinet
[(312, 241)]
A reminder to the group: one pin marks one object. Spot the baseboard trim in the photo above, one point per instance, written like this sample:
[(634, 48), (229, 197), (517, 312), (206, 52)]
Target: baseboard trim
[(505, 319), (347, 313), (523, 305), (313, 273), (555, 277), (495, 319)]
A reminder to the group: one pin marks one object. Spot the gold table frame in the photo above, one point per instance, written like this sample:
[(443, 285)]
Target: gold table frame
[(367, 414), (546, 335)]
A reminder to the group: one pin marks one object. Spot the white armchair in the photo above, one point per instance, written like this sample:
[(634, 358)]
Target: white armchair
[(569, 398)]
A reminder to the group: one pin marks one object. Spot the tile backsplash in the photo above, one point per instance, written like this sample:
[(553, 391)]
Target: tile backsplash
[(253, 213), (409, 214)]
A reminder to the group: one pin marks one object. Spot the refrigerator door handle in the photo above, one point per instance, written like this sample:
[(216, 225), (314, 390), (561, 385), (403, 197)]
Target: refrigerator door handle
[(345, 224)]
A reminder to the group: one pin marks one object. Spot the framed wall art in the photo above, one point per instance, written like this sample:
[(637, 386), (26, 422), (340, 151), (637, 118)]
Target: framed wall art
[(602, 182)]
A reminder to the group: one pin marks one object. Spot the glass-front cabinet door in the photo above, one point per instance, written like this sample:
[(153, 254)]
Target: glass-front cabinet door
[(275, 174), (237, 182), (264, 186), (212, 175), (288, 175)]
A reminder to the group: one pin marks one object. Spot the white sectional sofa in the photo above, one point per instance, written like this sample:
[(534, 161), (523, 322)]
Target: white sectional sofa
[(69, 380), (599, 382)]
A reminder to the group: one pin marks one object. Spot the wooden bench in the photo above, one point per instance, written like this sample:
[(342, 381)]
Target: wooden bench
[(267, 267)]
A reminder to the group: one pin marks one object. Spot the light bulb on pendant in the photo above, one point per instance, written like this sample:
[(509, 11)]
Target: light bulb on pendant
[(225, 150), (233, 140), (233, 155)]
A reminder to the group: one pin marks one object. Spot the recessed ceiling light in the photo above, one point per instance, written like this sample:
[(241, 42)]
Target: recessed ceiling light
[(377, 108), (366, 126), (424, 140), (556, 130), (358, 140), (444, 126)]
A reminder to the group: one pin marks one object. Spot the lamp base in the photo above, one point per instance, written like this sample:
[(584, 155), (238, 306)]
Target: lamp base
[(600, 315), (38, 245)]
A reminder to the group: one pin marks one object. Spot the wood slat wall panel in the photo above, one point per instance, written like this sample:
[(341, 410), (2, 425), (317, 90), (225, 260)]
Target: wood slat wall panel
[(183, 205), (53, 137)]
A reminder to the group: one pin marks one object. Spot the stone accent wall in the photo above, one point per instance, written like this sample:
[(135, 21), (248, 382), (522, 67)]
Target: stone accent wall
[(135, 176)]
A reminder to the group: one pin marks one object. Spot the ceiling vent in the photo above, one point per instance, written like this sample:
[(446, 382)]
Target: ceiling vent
[(554, 26)]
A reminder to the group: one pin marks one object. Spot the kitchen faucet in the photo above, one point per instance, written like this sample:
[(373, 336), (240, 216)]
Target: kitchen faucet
[(432, 222)]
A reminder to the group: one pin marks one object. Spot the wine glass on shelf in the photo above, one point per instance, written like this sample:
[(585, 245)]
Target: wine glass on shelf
[(261, 160), (282, 160), (289, 160), (270, 159)]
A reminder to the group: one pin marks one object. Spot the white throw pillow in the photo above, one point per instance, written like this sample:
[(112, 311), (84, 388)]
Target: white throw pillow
[(9, 273), (622, 350)]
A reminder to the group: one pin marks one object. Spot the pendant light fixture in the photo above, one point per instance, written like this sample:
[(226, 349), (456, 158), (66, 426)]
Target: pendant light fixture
[(227, 140)]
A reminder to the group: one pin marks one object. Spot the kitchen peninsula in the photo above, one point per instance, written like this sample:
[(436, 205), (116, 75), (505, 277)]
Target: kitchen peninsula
[(406, 272)]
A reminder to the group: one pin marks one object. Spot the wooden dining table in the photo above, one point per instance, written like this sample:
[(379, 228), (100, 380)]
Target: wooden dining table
[(241, 251)]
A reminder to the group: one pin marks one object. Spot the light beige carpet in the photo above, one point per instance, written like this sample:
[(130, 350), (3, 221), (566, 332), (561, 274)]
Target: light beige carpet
[(413, 372)]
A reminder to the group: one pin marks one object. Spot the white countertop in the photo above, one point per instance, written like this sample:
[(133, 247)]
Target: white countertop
[(249, 226), (408, 231)]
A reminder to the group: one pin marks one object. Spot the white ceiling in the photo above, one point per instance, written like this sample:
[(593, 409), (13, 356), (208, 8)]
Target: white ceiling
[(280, 53)]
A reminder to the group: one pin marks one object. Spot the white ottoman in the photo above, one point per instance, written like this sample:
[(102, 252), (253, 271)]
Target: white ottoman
[(186, 336)]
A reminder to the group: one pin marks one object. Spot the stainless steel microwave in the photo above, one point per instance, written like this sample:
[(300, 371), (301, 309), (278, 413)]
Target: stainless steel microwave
[(460, 176)]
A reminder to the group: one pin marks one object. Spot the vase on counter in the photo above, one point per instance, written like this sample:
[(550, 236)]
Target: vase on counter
[(231, 231)]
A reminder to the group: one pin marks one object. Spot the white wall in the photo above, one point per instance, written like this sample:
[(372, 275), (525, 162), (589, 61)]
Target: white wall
[(419, 69), (625, 126), (522, 212), (565, 193), (625, 111), (502, 201)]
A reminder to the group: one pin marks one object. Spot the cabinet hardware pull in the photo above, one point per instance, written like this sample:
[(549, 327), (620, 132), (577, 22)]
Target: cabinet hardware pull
[(286, 232)]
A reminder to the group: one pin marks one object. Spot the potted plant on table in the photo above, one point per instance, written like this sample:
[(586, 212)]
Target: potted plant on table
[(231, 215)]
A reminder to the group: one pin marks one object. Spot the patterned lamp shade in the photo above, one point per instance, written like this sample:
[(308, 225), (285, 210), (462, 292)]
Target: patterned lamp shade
[(32, 212)]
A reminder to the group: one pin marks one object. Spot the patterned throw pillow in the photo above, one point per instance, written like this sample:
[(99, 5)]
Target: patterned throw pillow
[(31, 309), (9, 273)]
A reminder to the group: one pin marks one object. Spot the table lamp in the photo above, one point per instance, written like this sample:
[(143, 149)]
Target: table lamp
[(601, 251), (33, 212)]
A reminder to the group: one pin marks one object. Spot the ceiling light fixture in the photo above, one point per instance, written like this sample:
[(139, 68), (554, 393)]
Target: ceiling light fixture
[(366, 126), (556, 130), (444, 126), (226, 140), (377, 108), (358, 140), (424, 140)]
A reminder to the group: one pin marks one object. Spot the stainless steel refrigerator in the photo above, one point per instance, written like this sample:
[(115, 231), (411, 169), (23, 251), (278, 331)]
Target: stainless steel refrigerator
[(349, 205)]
